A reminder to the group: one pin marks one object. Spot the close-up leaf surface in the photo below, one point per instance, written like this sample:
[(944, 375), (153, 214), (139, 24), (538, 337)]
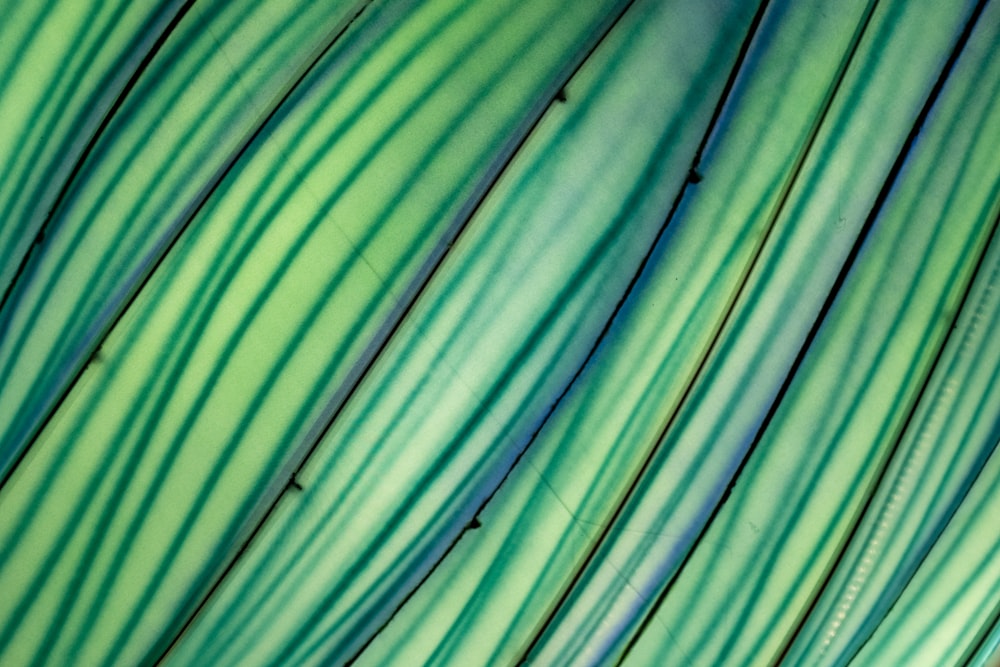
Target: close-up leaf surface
[(474, 332)]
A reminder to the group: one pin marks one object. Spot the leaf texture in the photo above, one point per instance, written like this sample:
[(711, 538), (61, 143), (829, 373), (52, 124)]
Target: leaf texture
[(386, 332)]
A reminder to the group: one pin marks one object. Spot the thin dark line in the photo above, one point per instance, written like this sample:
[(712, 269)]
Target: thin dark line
[(841, 278), (552, 312), (57, 202), (37, 146), (799, 358), (990, 239), (559, 96), (15, 281), (191, 212), (88, 149), (989, 623), (185, 220), (257, 503), (408, 301), (713, 122), (793, 176), (703, 361)]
